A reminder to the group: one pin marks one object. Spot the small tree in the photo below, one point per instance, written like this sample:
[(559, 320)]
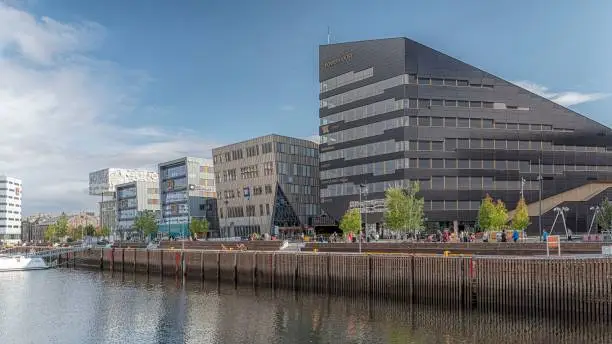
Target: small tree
[(61, 227), (76, 232), (90, 230), (146, 223), (500, 215), (198, 227), (404, 208), (103, 232), (351, 221), (396, 209), (604, 216), (50, 234), (520, 220), (485, 213)]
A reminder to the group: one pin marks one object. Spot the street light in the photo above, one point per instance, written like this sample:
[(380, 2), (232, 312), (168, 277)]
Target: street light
[(595, 210), (540, 196), (226, 216), (361, 188)]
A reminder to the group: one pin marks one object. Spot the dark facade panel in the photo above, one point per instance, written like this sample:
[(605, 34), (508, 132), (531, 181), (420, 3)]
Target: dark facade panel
[(453, 103)]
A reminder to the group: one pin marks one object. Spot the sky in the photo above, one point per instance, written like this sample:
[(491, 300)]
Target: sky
[(86, 85)]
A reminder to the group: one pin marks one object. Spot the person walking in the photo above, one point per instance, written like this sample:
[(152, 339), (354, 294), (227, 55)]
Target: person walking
[(515, 235)]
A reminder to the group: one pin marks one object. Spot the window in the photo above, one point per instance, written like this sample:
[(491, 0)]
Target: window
[(261, 211), (424, 81), (450, 183), (500, 125), (424, 163), (487, 105), (463, 164), (267, 209), (437, 102), (437, 82), (424, 103), (488, 164), (450, 122), (463, 143), (413, 104), (462, 83), (266, 148), (450, 82), (476, 123), (257, 190), (463, 182), (450, 205), (437, 163), (437, 122), (424, 145), (463, 122), (476, 164), (512, 126), (450, 163), (450, 103), (487, 123), (475, 104), (462, 103), (268, 188), (437, 146), (523, 126), (487, 144), (268, 168), (412, 78), (424, 121)]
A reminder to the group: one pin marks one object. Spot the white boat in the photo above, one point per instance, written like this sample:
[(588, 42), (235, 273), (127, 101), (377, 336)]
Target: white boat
[(21, 263)]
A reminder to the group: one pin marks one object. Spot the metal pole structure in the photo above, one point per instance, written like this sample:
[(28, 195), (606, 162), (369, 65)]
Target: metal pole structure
[(596, 209), (540, 197), (226, 216), (360, 218), (522, 186)]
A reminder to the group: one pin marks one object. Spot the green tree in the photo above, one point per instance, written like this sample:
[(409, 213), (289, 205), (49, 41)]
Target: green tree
[(404, 209), (61, 227), (198, 227), (520, 220), (103, 232), (90, 230), (50, 234), (351, 222), (415, 206), (499, 219), (396, 209), (604, 216), (146, 223), (77, 232), (485, 213)]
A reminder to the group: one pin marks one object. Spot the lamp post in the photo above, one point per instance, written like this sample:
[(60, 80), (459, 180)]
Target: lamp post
[(595, 210), (540, 197), (361, 188), (226, 215)]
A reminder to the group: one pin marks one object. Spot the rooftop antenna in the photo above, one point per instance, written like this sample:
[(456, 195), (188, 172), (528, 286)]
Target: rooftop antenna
[(328, 35)]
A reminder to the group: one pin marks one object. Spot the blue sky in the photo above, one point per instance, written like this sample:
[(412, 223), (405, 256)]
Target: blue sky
[(137, 82)]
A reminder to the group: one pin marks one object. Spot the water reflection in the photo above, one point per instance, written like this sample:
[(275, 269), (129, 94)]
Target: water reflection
[(65, 306)]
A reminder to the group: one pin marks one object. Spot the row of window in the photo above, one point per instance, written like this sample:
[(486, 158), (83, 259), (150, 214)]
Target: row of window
[(378, 128), (174, 172), (294, 169), (390, 166), (9, 219), (345, 79), (9, 236), (380, 86), (10, 182), (449, 145), (453, 183), (378, 205), (249, 172), (237, 154), (257, 190), (296, 150)]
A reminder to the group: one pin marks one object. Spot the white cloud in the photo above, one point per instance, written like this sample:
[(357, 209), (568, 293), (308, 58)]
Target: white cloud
[(314, 138), (59, 112), (567, 98)]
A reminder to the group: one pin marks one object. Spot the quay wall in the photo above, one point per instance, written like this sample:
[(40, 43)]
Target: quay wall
[(566, 286)]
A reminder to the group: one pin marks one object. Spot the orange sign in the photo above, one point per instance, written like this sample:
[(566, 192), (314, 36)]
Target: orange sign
[(552, 241)]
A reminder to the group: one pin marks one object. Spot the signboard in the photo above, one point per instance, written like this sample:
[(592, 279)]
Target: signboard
[(553, 241), (606, 250)]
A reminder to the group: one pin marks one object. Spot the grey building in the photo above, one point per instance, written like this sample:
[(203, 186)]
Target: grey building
[(394, 111), (133, 198), (187, 190), (267, 183)]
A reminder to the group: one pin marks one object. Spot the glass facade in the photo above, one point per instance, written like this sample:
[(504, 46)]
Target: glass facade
[(460, 132)]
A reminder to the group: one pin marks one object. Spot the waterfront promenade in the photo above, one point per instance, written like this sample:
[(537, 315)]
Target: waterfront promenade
[(573, 286)]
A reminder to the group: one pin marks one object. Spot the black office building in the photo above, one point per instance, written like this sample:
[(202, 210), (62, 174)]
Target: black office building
[(394, 111)]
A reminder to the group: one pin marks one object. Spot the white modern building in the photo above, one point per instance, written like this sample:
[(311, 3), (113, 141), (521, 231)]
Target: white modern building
[(10, 209), (133, 198), (103, 183)]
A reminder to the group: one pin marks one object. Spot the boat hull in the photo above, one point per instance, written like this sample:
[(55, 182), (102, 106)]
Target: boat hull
[(20, 263)]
